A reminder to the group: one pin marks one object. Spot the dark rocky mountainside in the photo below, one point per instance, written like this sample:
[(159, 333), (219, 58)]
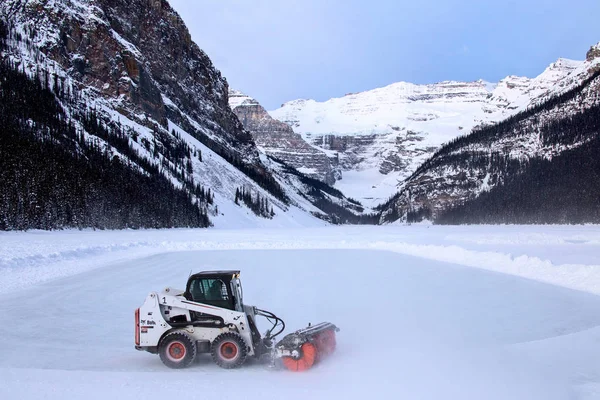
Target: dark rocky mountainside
[(52, 177), (159, 105), (133, 65), (561, 190), (139, 54)]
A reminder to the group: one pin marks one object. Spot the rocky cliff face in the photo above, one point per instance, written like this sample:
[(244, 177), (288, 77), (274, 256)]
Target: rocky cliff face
[(279, 140), (383, 135), (140, 55)]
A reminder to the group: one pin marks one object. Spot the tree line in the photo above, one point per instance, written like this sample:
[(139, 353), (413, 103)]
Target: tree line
[(562, 190)]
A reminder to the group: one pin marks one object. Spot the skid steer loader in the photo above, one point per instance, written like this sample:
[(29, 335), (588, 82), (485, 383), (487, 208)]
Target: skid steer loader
[(210, 317)]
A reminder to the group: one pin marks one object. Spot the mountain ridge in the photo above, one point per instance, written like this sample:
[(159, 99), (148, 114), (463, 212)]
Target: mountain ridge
[(382, 135), (489, 157), (133, 63)]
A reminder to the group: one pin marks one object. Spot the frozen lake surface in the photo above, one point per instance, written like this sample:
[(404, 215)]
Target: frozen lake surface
[(425, 312)]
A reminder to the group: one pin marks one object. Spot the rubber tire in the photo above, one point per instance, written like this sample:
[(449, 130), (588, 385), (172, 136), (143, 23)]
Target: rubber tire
[(235, 339), (187, 342)]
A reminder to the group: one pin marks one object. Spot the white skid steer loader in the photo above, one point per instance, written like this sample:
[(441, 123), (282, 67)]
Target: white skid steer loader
[(210, 317)]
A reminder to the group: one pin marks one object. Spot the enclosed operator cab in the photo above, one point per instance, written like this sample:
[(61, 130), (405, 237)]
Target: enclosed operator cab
[(221, 289)]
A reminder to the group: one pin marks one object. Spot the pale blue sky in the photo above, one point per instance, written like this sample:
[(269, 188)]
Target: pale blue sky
[(281, 50)]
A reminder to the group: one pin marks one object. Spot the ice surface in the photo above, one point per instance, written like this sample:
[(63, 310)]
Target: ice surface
[(424, 311)]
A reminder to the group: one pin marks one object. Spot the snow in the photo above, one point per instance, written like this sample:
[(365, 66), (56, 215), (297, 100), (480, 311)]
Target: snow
[(400, 120), (126, 44), (368, 186), (224, 179), (426, 312), (434, 113), (237, 99), (375, 111)]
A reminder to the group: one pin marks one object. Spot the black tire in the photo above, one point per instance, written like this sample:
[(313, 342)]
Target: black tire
[(229, 350), (177, 350)]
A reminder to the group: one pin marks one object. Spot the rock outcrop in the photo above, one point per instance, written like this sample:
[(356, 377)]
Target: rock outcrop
[(278, 139), (593, 53)]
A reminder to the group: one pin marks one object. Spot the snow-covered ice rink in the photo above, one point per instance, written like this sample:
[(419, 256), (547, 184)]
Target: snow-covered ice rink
[(425, 312)]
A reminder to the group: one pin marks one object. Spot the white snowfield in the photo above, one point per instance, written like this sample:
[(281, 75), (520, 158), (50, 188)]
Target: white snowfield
[(425, 312)]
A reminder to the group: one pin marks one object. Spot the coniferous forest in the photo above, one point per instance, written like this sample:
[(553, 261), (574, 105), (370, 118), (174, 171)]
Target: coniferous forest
[(561, 190), (562, 186), (52, 177)]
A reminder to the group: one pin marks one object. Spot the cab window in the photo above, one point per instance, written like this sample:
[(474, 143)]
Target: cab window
[(211, 291)]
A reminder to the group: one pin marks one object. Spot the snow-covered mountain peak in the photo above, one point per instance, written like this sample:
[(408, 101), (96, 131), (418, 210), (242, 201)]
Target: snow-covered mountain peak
[(300, 102), (565, 64), (364, 112), (237, 99), (558, 70), (399, 92)]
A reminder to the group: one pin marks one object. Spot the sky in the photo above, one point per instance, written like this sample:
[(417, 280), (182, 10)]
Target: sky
[(282, 50)]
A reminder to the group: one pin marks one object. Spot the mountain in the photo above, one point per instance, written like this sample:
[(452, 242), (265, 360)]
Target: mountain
[(279, 140), (303, 169), (381, 136), (131, 82), (52, 177), (523, 168), (133, 103)]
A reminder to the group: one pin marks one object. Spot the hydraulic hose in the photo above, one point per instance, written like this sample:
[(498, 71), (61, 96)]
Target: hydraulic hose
[(273, 319)]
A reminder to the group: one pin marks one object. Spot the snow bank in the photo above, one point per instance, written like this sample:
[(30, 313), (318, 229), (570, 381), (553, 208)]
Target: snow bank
[(562, 256)]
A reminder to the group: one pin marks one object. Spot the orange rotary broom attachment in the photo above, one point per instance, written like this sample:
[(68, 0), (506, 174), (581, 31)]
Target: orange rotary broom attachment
[(300, 350)]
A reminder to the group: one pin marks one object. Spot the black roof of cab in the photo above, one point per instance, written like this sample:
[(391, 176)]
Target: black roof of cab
[(215, 274)]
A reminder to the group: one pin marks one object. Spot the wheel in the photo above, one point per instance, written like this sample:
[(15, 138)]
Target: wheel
[(305, 359), (177, 350), (229, 350)]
